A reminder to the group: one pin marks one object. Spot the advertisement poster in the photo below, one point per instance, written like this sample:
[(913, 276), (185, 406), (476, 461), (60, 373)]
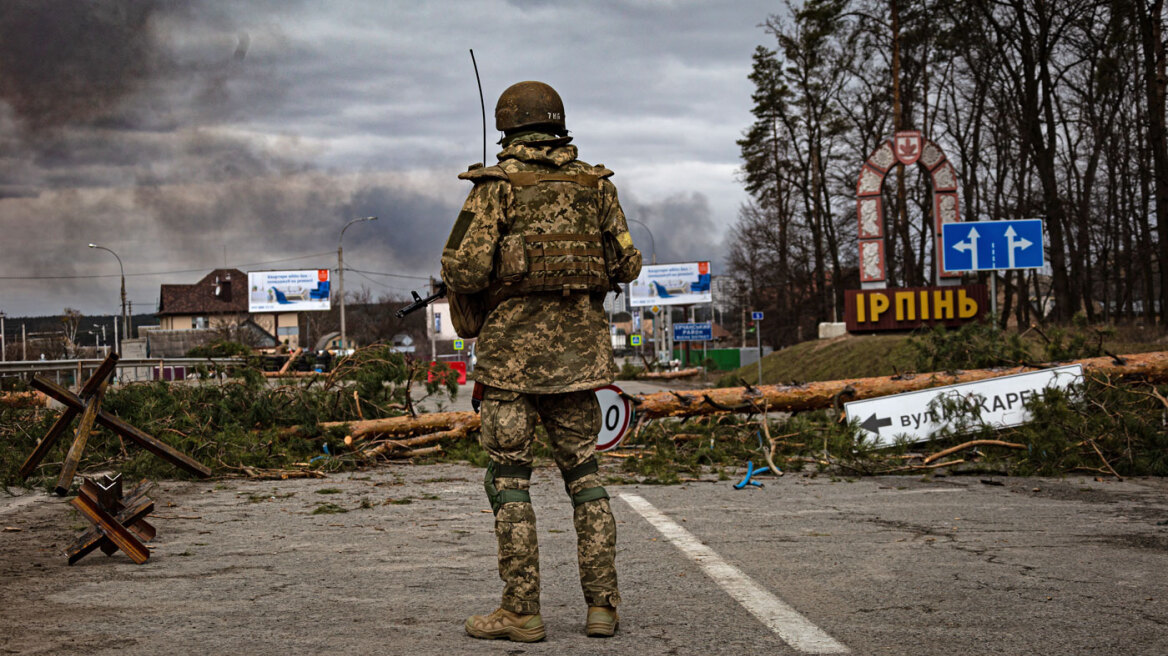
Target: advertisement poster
[(288, 291), (687, 283)]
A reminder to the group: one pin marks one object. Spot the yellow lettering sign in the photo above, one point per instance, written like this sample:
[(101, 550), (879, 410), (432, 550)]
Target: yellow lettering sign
[(966, 306), (943, 304), (906, 307), (879, 305)]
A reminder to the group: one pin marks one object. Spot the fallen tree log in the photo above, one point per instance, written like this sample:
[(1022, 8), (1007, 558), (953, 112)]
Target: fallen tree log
[(1152, 367), (400, 448), (669, 375), (31, 399), (405, 425)]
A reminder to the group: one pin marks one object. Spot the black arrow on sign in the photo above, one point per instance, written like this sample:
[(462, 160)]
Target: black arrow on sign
[(873, 425)]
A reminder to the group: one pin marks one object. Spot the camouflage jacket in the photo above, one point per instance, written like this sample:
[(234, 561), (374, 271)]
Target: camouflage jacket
[(542, 343)]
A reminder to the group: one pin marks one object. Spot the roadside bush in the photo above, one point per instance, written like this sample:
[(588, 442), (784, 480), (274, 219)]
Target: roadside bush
[(229, 423)]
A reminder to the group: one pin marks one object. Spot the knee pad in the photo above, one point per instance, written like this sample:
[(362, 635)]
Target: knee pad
[(589, 466), (499, 497)]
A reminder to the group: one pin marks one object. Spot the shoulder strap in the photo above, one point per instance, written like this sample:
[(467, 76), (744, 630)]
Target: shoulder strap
[(528, 178), (480, 173)]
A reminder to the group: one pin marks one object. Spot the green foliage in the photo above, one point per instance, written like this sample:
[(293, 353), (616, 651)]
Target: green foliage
[(972, 346), (629, 371), (245, 421)]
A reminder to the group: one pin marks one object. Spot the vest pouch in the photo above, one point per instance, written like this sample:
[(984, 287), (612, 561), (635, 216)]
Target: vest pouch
[(513, 265), (468, 312)]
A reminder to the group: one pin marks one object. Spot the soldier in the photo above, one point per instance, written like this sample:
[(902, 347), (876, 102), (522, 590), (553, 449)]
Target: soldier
[(539, 242)]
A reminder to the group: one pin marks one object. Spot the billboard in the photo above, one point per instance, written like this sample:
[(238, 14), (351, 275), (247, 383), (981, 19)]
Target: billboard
[(288, 291), (686, 283)]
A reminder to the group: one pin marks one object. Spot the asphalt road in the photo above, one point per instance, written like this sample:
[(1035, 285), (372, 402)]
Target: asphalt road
[(887, 565)]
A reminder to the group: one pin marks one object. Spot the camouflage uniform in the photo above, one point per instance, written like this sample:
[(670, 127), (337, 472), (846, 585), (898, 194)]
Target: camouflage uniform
[(541, 355)]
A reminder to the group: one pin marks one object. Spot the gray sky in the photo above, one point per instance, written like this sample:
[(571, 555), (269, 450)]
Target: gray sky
[(185, 135)]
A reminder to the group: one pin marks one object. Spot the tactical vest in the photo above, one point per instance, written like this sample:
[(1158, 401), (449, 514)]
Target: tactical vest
[(554, 243)]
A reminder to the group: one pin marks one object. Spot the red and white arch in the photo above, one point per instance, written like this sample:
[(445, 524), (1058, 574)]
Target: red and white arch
[(906, 147)]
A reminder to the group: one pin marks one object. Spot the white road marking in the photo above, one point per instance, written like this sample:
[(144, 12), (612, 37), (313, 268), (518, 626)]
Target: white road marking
[(791, 627)]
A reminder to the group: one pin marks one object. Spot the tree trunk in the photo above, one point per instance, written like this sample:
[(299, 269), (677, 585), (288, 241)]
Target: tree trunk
[(817, 396)]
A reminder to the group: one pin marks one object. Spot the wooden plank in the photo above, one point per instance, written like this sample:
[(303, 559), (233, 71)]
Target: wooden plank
[(154, 445), (139, 507), (100, 375), (42, 448), (133, 515), (84, 426), (151, 444), (109, 525)]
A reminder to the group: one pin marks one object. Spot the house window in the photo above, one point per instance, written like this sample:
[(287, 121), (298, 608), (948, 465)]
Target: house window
[(288, 330), (198, 323)]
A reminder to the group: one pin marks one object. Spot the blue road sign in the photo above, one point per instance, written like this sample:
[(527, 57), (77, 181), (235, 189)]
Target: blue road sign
[(635, 340), (992, 245), (756, 316), (693, 332)]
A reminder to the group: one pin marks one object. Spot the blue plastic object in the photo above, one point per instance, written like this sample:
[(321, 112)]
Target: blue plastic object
[(750, 471)]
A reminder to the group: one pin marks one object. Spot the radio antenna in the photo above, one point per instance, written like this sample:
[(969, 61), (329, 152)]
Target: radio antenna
[(482, 104)]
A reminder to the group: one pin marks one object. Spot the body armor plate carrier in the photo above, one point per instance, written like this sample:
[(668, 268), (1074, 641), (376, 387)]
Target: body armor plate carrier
[(554, 242)]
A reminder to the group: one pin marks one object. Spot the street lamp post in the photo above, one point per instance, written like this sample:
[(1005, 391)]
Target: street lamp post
[(652, 242), (341, 273), (125, 319), (3, 343)]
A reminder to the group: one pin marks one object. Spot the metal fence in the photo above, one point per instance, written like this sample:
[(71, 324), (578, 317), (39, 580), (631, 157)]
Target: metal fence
[(70, 372)]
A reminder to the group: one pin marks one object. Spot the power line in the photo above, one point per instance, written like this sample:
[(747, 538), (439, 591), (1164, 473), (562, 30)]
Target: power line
[(382, 273), (163, 273)]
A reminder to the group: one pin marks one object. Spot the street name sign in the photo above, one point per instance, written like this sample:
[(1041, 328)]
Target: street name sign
[(992, 245), (919, 415), (693, 332)]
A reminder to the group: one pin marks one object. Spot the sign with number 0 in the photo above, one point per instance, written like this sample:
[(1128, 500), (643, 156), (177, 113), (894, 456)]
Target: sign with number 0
[(615, 414)]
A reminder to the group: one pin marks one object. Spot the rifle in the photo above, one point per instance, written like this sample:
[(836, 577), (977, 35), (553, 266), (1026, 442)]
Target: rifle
[(419, 302)]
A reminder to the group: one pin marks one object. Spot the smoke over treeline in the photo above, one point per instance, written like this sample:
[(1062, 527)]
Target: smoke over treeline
[(152, 127)]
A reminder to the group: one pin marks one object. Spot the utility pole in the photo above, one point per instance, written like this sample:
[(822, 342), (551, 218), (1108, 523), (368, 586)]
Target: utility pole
[(3, 344), (341, 274)]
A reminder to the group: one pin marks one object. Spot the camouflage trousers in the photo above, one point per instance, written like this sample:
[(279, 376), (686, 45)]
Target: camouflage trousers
[(572, 421)]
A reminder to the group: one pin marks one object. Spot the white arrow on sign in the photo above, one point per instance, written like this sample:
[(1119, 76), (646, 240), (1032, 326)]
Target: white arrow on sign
[(1012, 244), (971, 246)]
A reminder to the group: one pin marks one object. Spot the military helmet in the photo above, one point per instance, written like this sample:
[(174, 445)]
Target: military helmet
[(529, 103)]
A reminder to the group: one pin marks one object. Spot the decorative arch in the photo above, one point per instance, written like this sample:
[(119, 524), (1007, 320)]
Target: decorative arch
[(907, 147)]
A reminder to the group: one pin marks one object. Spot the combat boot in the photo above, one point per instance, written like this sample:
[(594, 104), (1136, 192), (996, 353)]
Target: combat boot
[(602, 621), (505, 624)]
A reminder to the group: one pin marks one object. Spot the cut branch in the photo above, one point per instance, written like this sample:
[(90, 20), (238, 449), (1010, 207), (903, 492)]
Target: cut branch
[(961, 447)]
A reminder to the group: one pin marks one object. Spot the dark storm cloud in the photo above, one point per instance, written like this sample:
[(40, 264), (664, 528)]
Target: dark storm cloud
[(181, 133)]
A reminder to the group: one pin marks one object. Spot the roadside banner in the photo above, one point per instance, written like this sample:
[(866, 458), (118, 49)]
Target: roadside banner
[(288, 291), (687, 283)]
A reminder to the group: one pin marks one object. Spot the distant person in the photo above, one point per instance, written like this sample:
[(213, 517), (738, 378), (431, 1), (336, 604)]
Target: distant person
[(542, 238)]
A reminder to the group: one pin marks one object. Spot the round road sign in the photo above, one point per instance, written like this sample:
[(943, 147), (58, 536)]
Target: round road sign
[(615, 414)]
